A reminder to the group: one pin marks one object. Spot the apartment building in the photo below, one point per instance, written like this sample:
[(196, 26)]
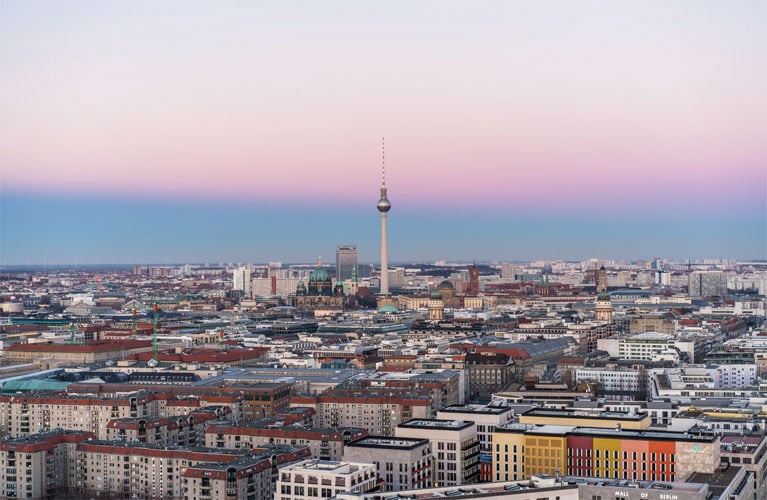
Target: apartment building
[(29, 414), (377, 410), (255, 400), (148, 471), (487, 418), (324, 444), (312, 479), (524, 450), (39, 466), (749, 452), (401, 463), (184, 430), (455, 447)]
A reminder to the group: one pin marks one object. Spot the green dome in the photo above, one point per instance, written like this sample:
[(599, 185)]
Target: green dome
[(319, 274), (388, 309), (436, 294)]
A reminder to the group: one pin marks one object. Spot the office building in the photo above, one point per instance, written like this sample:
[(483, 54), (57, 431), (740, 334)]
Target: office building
[(312, 479), (241, 280), (402, 463), (522, 450), (454, 445), (346, 261)]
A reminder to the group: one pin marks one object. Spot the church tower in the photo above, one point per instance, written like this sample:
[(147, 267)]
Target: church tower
[(603, 308)]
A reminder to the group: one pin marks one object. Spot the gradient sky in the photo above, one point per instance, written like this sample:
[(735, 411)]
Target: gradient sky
[(176, 131)]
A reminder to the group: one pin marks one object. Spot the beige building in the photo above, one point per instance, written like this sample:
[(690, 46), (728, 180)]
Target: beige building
[(29, 414), (749, 452), (379, 414), (454, 445), (312, 479), (146, 471), (184, 430), (39, 466), (487, 418), (402, 463), (75, 354), (324, 444)]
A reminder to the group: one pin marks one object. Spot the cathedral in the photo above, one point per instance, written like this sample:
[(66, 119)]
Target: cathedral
[(320, 294)]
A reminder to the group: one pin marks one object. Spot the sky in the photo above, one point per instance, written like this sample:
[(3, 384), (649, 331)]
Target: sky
[(234, 131)]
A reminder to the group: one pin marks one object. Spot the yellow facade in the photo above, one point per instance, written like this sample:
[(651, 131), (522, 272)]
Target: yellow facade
[(607, 457), (544, 454), (508, 450)]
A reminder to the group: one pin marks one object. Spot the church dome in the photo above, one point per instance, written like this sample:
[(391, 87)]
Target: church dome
[(319, 274), (436, 294), (445, 285)]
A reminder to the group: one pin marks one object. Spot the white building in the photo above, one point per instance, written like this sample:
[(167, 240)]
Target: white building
[(733, 376), (487, 418), (454, 445), (649, 346), (241, 280), (313, 479), (613, 379)]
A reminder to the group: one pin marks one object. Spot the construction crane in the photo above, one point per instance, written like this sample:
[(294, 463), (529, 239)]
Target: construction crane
[(133, 322), (156, 353)]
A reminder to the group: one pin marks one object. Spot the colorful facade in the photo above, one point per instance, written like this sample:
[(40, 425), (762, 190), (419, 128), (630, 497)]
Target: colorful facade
[(520, 451)]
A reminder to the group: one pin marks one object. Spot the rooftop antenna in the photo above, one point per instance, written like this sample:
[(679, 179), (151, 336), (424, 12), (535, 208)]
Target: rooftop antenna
[(383, 163)]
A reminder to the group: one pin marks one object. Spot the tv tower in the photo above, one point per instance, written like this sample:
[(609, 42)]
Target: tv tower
[(384, 205)]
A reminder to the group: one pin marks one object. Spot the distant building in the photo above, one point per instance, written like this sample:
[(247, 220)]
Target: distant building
[(346, 261), (241, 280), (707, 284), (473, 288), (320, 293)]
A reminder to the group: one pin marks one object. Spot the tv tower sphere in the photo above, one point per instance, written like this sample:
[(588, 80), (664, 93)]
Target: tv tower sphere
[(384, 205)]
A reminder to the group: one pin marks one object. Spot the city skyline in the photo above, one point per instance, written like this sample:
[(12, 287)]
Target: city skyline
[(514, 131)]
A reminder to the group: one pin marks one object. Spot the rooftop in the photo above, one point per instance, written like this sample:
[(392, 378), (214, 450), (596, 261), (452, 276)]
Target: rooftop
[(388, 443), (451, 425)]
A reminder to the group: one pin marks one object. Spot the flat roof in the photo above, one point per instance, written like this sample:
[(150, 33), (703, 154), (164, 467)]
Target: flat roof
[(450, 425), (384, 442), (480, 409)]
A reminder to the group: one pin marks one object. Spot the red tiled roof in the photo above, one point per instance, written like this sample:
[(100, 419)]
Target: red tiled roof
[(96, 346)]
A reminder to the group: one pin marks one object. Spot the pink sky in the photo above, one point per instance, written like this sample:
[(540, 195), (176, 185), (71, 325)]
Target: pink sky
[(578, 102)]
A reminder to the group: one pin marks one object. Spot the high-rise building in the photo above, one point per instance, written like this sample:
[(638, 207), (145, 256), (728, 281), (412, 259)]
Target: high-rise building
[(241, 280), (346, 261), (384, 205), (508, 271)]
